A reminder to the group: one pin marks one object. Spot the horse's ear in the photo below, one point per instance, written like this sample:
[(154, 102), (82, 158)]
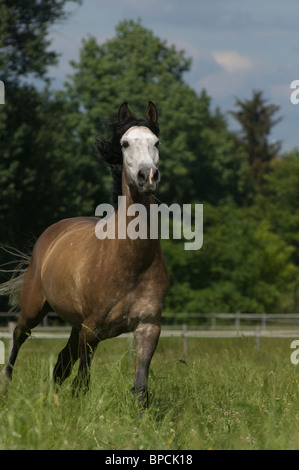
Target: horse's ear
[(124, 113), (151, 113)]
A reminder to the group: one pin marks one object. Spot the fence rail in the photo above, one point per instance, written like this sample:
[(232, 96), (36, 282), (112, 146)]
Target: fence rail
[(266, 325), (214, 322), (263, 318)]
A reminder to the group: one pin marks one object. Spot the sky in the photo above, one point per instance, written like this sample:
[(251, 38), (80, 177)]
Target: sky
[(235, 45)]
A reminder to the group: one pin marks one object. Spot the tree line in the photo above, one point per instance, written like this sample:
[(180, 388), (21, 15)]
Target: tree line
[(49, 169)]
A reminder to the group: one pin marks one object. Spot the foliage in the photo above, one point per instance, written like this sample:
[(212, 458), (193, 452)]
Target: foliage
[(24, 26), (39, 181), (241, 266), (280, 199), (42, 180), (256, 119)]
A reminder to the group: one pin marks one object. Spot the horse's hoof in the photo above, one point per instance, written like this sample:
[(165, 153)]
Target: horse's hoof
[(142, 397)]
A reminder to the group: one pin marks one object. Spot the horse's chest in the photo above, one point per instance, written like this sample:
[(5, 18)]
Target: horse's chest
[(143, 303)]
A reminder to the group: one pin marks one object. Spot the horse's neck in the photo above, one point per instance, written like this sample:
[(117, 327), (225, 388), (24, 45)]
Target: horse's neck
[(141, 248), (133, 196)]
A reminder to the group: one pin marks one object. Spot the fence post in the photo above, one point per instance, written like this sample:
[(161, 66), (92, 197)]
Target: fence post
[(264, 318), (185, 339), (2, 353), (258, 338), (213, 321), (237, 320)]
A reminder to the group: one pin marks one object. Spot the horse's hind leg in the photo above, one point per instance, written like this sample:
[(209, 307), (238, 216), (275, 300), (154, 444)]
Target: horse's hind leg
[(19, 337), (88, 342), (67, 357), (21, 332), (33, 309)]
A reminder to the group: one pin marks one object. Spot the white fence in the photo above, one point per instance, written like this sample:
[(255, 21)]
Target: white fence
[(209, 325), (209, 320), (202, 325)]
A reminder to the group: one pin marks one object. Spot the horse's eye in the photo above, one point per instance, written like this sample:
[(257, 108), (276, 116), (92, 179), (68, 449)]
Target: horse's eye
[(125, 144), (157, 144)]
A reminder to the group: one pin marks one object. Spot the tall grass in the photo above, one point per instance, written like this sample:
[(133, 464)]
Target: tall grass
[(223, 395)]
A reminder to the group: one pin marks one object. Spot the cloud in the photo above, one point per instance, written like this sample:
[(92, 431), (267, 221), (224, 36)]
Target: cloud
[(232, 62), (224, 74)]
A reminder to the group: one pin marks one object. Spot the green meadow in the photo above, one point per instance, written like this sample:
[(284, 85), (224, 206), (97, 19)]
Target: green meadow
[(221, 394)]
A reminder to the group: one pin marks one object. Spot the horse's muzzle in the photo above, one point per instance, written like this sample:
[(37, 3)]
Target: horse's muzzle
[(148, 178)]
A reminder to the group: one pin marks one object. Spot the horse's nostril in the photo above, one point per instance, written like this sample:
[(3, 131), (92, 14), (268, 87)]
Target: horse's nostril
[(141, 175), (156, 175)]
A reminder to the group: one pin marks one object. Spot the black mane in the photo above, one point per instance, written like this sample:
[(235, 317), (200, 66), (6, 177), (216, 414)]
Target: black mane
[(110, 151)]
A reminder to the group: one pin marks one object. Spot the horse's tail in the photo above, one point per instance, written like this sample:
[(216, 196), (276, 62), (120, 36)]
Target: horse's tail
[(13, 286)]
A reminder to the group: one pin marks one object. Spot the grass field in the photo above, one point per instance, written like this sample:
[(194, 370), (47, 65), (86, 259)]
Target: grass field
[(223, 395)]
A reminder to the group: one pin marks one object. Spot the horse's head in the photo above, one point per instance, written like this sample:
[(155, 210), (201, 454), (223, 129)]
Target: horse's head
[(139, 146)]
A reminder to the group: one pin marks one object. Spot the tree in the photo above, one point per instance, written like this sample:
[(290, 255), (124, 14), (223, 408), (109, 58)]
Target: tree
[(256, 119), (242, 265), (42, 177), (198, 158), (40, 181), (24, 27), (280, 199)]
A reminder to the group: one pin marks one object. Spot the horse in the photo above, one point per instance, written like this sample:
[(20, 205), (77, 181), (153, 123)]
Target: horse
[(102, 287)]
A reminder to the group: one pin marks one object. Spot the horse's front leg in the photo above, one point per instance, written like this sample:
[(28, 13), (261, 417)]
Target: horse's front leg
[(147, 337)]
